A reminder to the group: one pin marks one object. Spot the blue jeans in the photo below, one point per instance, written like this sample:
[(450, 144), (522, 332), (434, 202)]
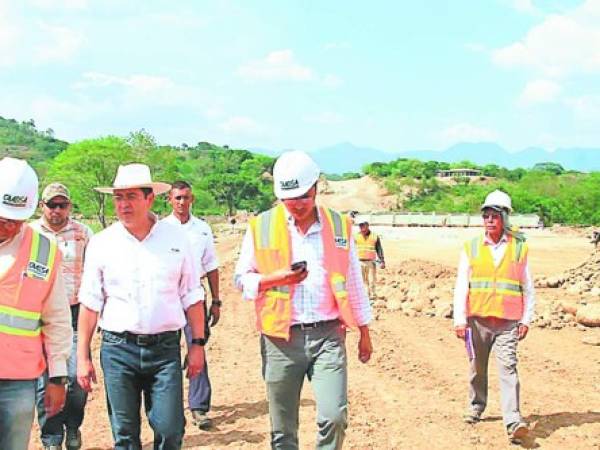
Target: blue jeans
[(71, 417), (199, 392), (131, 370), (17, 405)]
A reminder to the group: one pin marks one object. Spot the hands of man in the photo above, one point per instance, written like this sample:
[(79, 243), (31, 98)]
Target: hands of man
[(86, 374), (195, 360), (460, 331), (282, 277), (523, 330), (382, 265), (365, 348), (214, 314), (54, 398)]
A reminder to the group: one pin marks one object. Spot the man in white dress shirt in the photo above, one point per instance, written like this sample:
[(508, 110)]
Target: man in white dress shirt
[(494, 301), (140, 278), (299, 265), (200, 235)]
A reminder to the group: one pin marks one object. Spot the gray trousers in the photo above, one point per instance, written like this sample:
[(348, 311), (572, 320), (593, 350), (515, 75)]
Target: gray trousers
[(319, 354), (502, 337)]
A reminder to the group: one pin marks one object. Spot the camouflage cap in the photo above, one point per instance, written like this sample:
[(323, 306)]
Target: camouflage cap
[(55, 190)]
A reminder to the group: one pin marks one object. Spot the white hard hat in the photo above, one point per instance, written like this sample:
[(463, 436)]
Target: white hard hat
[(18, 189), (497, 200), (294, 173)]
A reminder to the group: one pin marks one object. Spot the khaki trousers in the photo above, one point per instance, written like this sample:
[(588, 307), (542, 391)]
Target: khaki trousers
[(368, 270), (502, 336)]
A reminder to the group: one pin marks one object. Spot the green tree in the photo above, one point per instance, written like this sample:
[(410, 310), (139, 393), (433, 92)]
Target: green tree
[(88, 164)]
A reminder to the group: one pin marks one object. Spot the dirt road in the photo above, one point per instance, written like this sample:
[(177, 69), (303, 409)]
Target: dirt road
[(412, 393)]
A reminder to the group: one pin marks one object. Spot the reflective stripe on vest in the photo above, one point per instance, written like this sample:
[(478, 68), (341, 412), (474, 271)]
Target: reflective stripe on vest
[(366, 246), (272, 252), (42, 257), (496, 291), (19, 323)]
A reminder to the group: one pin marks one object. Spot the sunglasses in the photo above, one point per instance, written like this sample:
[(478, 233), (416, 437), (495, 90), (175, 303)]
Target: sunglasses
[(54, 205)]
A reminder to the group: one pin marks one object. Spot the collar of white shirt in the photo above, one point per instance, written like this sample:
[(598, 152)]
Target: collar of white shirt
[(314, 228)]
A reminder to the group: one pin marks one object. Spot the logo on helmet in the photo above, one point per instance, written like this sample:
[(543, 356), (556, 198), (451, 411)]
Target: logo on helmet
[(16, 201), (289, 184)]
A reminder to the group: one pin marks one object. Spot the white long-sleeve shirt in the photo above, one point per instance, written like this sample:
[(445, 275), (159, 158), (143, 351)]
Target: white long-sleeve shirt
[(56, 314), (461, 289), (313, 299), (144, 286), (202, 241)]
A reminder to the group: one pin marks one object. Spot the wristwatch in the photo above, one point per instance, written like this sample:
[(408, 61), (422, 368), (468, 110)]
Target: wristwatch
[(199, 341), (216, 302), (59, 380)]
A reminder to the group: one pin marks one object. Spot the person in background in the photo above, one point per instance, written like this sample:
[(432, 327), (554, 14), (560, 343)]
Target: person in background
[(72, 238), (201, 238), (369, 252)]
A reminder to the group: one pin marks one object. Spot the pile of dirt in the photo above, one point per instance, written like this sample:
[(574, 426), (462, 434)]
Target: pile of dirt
[(417, 288), (579, 288)]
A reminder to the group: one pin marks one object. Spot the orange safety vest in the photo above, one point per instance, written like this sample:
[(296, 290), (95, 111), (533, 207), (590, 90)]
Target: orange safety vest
[(23, 290), (272, 251), (496, 291), (366, 246)]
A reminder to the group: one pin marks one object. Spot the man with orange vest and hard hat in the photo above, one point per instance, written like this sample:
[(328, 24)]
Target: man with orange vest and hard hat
[(298, 263), (494, 302), (35, 320), (369, 251)]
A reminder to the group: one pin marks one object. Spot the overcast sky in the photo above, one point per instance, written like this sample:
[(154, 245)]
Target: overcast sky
[(394, 75)]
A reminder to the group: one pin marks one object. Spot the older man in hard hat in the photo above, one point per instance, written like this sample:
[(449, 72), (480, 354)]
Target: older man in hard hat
[(298, 263), (72, 237), (140, 279), (35, 321), (493, 307)]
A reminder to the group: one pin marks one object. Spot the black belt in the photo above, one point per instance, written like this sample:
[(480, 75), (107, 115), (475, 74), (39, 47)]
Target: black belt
[(311, 325), (145, 340)]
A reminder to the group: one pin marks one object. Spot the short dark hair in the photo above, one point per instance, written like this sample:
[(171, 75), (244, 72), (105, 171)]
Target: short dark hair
[(180, 184)]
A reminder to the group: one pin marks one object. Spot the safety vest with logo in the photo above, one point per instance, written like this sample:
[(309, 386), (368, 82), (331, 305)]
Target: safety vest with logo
[(496, 291), (366, 246), (272, 251), (23, 291)]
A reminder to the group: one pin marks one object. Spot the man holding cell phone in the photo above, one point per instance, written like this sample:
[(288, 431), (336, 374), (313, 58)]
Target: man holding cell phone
[(494, 301), (299, 264)]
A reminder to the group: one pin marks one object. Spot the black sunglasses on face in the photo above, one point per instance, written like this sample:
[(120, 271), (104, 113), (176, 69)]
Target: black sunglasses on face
[(53, 205)]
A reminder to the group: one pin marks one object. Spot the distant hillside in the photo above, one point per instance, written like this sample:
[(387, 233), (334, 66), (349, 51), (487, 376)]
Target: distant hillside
[(346, 157), (23, 140)]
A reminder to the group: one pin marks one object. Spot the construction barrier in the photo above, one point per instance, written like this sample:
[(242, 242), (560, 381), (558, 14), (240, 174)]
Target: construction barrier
[(412, 219)]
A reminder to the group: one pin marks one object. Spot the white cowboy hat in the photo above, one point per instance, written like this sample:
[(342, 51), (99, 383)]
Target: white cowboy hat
[(132, 176)]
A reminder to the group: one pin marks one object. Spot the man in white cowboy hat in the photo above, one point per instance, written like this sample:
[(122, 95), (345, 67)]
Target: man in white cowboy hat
[(35, 321), (299, 265), (494, 302), (140, 278)]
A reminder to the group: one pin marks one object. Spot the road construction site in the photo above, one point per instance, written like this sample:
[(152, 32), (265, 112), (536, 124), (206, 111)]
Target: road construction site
[(412, 393)]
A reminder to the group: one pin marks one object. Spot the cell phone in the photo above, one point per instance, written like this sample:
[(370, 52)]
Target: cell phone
[(298, 265)]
